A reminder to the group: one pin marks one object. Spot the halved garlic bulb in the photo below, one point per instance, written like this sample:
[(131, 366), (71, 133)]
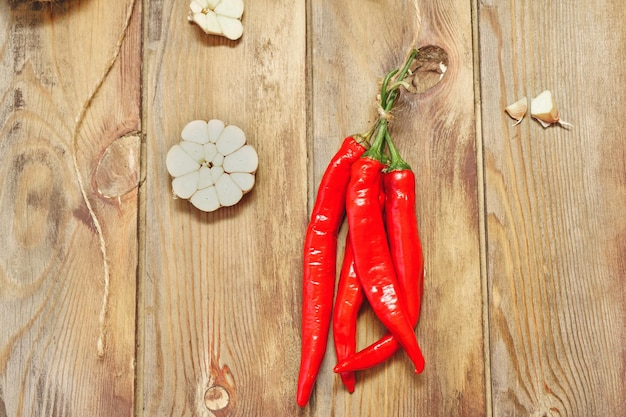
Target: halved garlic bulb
[(218, 17), (212, 166)]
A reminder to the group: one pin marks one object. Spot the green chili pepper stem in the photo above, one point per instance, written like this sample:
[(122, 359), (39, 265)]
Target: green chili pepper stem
[(383, 88), (397, 163), (392, 93), (388, 97), (376, 150)]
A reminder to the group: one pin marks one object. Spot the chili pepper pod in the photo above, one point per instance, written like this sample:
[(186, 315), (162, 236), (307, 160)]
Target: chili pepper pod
[(374, 264), (347, 304), (407, 255), (319, 268)]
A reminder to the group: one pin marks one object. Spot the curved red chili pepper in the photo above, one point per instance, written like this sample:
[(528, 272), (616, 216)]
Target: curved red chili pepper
[(347, 304), (406, 252), (373, 260), (319, 269)]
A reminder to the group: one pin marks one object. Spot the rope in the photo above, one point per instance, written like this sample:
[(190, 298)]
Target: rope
[(101, 343)]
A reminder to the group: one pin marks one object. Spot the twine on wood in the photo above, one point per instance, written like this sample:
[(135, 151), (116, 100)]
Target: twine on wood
[(101, 343), (382, 113)]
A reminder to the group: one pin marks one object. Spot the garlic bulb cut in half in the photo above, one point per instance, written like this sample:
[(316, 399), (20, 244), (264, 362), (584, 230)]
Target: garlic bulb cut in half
[(212, 166), (218, 17)]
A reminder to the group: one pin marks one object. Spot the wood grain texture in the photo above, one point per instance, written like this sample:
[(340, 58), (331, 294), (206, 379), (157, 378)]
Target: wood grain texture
[(555, 203), (354, 44), (221, 297), (51, 266), (523, 228)]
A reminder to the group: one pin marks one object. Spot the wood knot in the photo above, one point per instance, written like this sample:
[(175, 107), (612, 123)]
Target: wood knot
[(118, 169), (216, 398)]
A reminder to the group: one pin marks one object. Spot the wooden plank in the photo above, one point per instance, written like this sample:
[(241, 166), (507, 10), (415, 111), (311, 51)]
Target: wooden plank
[(555, 206), (68, 91), (221, 290), (354, 44)]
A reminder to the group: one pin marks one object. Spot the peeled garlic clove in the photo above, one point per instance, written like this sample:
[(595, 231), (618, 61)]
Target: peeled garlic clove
[(228, 191), (212, 25), (545, 111), (210, 151), (517, 110), (230, 8), (215, 129), (185, 186), (231, 28), (206, 199), (196, 131), (179, 163), (196, 6), (218, 161), (231, 139), (204, 177), (195, 150), (245, 159), (244, 180), (216, 173)]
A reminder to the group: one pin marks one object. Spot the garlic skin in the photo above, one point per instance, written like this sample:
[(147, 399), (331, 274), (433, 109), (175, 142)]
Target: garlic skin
[(218, 17), (517, 110), (544, 110), (212, 166)]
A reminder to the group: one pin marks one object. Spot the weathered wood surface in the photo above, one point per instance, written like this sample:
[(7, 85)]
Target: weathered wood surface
[(353, 45), (221, 296), (523, 228), (555, 208), (52, 281)]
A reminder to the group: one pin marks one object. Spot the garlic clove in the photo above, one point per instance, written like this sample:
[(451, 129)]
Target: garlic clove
[(196, 131), (244, 180), (231, 139), (231, 28), (204, 177), (193, 149), (545, 111), (196, 6), (198, 18), (218, 161), (179, 163), (210, 150), (228, 191), (212, 24), (212, 4), (517, 110), (215, 129), (206, 199), (216, 173), (230, 8), (184, 186), (245, 159)]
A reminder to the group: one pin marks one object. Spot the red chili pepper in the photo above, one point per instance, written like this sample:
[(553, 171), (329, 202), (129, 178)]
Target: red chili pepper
[(319, 269), (406, 252), (372, 256), (347, 304)]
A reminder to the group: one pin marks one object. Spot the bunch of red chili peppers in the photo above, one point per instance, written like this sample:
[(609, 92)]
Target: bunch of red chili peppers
[(382, 262)]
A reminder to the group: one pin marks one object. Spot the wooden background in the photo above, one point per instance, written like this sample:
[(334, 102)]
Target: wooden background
[(524, 228)]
